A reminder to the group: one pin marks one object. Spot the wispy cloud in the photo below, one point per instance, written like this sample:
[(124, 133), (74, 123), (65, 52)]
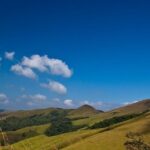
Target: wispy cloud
[(3, 98), (128, 103), (34, 99), (38, 98), (55, 87), (9, 55)]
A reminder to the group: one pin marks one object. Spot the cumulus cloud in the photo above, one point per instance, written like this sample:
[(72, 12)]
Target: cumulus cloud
[(9, 55), (24, 71), (44, 63), (3, 98), (55, 87), (35, 61), (68, 102)]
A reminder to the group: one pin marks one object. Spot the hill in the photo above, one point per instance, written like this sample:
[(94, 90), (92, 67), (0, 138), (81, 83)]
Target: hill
[(84, 110), (91, 139), (136, 107), (83, 116)]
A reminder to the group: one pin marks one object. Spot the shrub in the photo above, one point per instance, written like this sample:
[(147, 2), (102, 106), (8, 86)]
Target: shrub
[(135, 142)]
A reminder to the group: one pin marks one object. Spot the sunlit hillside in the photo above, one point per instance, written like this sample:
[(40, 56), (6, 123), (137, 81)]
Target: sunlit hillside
[(33, 137)]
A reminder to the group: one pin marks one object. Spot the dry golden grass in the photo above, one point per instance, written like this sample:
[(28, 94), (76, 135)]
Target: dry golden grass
[(115, 138)]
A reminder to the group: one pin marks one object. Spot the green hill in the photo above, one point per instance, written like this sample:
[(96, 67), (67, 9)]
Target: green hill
[(84, 110), (32, 136)]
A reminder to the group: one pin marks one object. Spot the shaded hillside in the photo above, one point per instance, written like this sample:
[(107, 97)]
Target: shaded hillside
[(2, 110)]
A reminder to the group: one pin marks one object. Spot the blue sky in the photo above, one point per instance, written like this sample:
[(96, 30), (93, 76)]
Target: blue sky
[(102, 48)]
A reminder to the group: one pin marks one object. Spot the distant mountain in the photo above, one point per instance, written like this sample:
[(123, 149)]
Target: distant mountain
[(84, 110)]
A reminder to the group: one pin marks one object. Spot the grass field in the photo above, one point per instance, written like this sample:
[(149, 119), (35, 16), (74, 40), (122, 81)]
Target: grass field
[(90, 139), (33, 137)]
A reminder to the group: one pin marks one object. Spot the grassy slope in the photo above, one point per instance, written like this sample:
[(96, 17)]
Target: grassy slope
[(24, 133), (134, 108), (115, 137), (93, 116), (50, 143), (89, 139)]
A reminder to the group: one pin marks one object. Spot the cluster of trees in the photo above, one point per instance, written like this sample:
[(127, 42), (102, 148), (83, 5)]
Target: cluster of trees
[(112, 121), (58, 120), (14, 123), (60, 124)]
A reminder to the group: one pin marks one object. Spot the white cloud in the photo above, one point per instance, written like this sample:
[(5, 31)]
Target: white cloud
[(44, 63), (9, 55), (55, 87), (3, 98), (56, 100), (35, 61), (128, 103), (38, 98), (58, 67), (68, 102), (85, 102), (30, 103), (35, 99), (24, 71)]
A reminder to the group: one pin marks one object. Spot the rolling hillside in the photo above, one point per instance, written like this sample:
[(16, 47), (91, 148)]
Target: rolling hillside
[(91, 139), (33, 137)]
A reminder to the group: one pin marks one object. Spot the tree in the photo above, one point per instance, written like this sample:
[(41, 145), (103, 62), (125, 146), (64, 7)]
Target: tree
[(59, 124), (135, 142)]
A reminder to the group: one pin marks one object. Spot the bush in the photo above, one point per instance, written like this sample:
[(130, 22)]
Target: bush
[(135, 142)]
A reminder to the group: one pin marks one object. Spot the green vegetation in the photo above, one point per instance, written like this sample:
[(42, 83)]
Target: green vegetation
[(112, 121), (14, 123), (110, 128), (59, 124)]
